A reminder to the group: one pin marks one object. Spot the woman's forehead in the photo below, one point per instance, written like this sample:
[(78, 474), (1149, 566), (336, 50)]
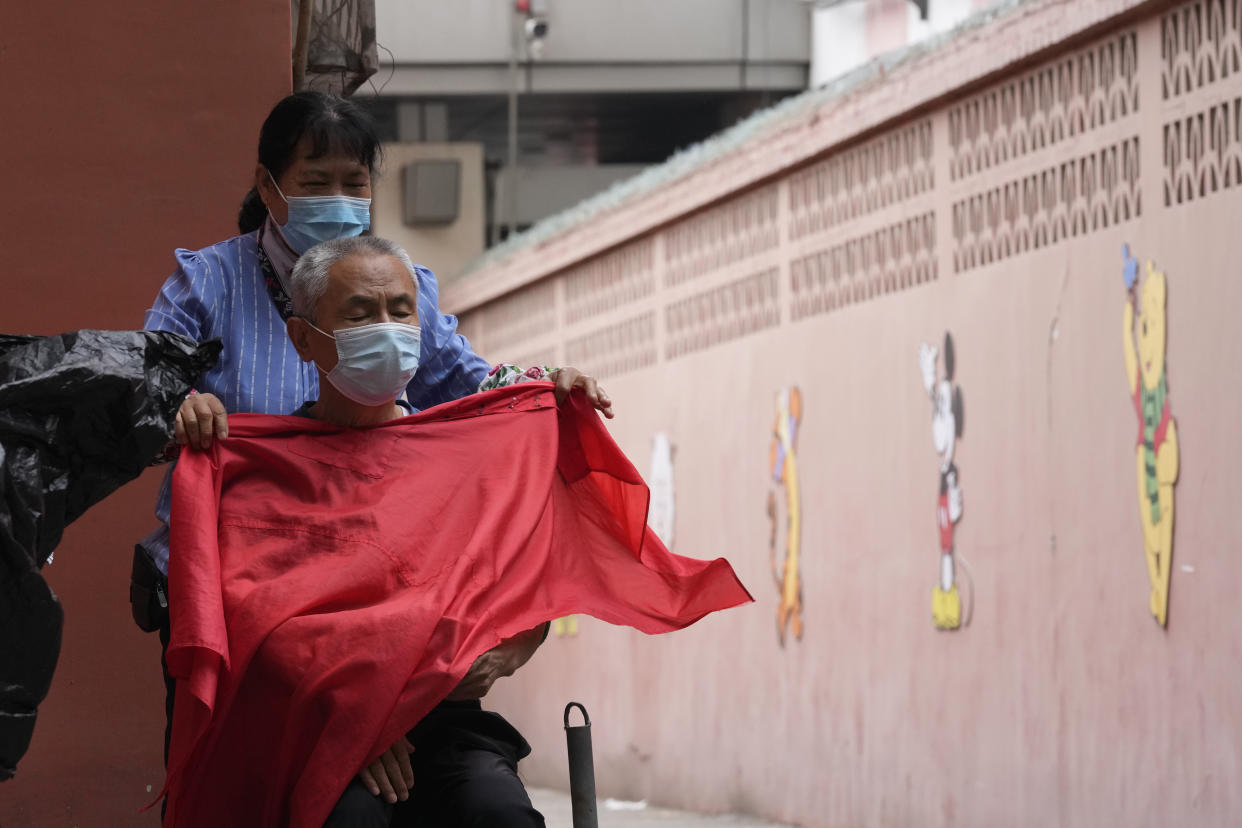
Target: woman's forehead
[(335, 155)]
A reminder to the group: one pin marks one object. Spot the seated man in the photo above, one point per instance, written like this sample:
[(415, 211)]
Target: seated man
[(359, 581), (356, 319)]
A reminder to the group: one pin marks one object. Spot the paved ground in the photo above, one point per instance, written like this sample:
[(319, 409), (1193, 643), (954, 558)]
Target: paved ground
[(556, 809)]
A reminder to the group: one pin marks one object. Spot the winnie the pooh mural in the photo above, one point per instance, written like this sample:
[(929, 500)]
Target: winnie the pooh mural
[(1144, 339)]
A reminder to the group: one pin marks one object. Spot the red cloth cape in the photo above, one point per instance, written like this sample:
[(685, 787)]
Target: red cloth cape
[(329, 586)]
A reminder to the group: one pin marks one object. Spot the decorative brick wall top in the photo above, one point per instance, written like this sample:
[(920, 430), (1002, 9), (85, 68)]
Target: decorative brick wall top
[(791, 134)]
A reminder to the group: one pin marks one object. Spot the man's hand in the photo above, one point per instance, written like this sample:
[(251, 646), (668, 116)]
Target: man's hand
[(498, 662), (390, 774), (569, 378), (201, 417)]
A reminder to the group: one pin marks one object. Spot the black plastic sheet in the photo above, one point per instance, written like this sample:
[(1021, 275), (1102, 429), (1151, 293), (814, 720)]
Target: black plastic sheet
[(81, 414)]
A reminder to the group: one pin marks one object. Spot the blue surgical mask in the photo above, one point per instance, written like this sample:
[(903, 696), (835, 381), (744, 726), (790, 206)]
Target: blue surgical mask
[(374, 362), (315, 219)]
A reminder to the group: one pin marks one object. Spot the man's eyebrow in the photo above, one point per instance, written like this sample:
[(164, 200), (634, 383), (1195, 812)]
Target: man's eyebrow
[(404, 297), (359, 299)]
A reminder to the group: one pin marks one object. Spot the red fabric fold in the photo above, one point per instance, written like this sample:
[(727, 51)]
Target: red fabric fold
[(329, 586)]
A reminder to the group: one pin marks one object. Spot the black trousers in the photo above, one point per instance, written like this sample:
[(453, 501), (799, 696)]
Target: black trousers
[(465, 772)]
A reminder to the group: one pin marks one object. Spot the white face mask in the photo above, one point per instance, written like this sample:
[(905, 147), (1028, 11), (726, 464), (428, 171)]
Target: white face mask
[(374, 362)]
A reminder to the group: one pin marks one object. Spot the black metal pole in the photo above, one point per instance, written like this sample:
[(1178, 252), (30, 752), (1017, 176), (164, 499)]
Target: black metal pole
[(581, 769)]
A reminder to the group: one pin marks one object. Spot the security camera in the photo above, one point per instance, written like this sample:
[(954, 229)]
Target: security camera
[(536, 28)]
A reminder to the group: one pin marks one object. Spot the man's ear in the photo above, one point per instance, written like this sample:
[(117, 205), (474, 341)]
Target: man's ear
[(299, 334)]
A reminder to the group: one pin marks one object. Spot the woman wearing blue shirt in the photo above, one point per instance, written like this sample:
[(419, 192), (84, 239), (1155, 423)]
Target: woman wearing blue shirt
[(317, 157)]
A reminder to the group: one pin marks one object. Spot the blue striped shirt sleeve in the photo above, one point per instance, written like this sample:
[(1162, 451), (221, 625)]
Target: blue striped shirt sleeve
[(185, 300), (450, 369), (183, 306)]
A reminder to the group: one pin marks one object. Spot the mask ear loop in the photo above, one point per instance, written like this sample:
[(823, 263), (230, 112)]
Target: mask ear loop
[(318, 329), (280, 228), (272, 179)]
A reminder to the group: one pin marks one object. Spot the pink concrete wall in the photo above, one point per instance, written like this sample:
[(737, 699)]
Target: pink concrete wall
[(1062, 702), (127, 130)]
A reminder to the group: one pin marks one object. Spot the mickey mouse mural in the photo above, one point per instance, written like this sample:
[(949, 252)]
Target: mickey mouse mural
[(947, 421)]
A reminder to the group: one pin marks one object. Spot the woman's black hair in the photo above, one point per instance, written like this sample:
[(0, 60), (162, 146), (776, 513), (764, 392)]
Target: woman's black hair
[(253, 212), (332, 123)]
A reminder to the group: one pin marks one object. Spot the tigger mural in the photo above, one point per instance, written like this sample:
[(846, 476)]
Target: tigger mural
[(783, 468)]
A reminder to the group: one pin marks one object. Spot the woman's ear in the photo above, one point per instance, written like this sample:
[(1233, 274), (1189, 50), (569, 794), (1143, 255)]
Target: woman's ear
[(262, 181)]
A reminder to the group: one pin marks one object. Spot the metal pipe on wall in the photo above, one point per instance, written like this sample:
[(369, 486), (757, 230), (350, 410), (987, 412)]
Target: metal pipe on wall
[(745, 43), (511, 200), (301, 45)]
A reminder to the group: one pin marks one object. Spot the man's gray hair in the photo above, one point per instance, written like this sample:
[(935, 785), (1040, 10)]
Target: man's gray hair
[(309, 281)]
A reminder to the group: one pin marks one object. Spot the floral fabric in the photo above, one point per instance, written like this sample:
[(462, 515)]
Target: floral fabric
[(505, 374)]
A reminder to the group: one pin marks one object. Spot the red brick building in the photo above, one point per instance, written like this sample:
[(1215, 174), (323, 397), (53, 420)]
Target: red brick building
[(128, 130)]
